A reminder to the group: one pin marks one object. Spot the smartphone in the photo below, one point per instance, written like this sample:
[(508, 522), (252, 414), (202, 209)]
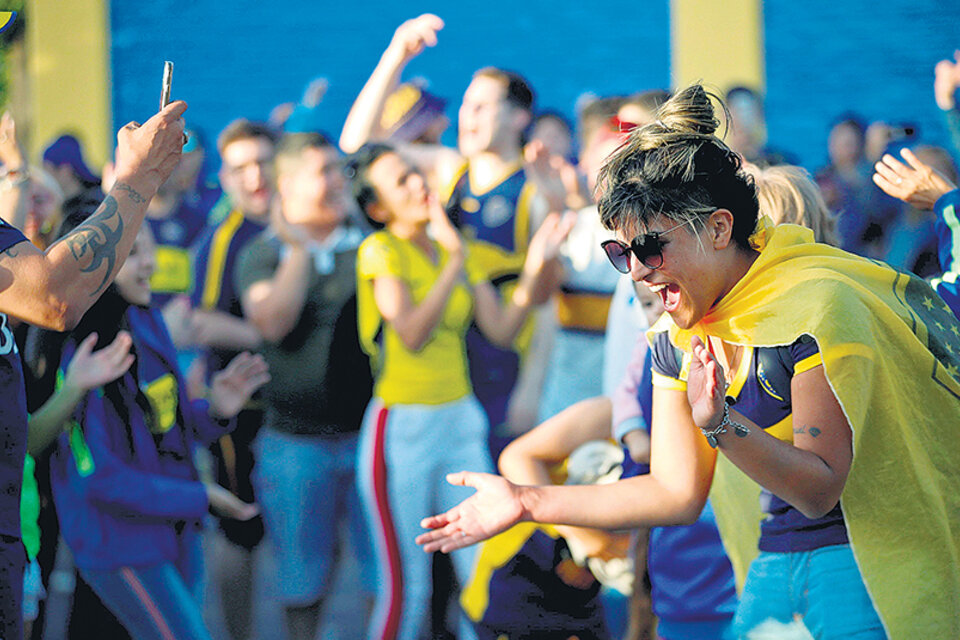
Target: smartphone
[(167, 82)]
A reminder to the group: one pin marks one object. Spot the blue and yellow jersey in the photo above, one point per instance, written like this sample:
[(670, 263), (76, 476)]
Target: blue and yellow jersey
[(498, 219), (499, 215), (215, 259), (174, 235), (761, 391), (525, 584)]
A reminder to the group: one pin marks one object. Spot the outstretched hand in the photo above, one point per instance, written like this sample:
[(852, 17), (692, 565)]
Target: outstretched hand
[(494, 508), (915, 183), (232, 387), (706, 386)]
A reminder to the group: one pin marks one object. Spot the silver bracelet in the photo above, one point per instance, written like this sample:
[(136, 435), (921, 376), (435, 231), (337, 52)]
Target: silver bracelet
[(711, 434)]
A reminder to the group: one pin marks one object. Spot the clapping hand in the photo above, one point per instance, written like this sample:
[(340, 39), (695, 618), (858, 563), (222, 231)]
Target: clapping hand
[(946, 81), (233, 386), (706, 386), (542, 271), (556, 179), (89, 369)]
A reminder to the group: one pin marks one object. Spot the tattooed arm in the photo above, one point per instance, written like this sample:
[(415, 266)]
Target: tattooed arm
[(53, 289)]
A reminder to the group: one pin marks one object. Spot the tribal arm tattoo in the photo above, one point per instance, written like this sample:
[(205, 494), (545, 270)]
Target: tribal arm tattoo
[(95, 238)]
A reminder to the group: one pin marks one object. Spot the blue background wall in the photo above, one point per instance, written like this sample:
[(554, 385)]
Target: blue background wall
[(877, 58), (240, 58)]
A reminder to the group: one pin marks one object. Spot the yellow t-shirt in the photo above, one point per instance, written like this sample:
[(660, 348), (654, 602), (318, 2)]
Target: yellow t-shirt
[(437, 373)]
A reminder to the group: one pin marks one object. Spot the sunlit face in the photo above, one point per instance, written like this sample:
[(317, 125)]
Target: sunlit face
[(402, 194), (311, 188), (133, 278), (246, 175), (689, 281), (487, 121)]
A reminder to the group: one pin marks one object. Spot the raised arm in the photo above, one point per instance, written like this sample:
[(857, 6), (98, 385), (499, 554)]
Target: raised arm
[(16, 182), (53, 289), (415, 322), (87, 370), (274, 304), (409, 40)]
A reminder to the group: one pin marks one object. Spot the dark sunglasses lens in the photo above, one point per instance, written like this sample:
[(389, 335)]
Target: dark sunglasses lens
[(648, 248), (618, 255)]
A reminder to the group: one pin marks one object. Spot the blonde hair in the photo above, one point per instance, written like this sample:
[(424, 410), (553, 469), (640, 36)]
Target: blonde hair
[(790, 196)]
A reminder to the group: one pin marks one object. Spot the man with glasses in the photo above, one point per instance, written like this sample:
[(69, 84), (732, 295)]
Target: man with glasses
[(217, 325)]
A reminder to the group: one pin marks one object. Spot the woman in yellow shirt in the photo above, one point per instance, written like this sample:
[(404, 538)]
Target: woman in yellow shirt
[(416, 296)]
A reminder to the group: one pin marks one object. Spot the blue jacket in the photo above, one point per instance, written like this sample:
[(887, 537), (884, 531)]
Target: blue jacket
[(122, 494), (947, 227)]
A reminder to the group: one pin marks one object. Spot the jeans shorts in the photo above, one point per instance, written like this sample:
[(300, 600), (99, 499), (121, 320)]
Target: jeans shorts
[(822, 588)]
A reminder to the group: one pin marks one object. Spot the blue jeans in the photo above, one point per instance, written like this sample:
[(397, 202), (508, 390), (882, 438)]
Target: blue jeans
[(306, 486), (157, 602), (823, 587)]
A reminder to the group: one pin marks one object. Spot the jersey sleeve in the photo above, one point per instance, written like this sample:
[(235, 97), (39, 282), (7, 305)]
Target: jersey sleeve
[(378, 257), (805, 354), (667, 363), (9, 235)]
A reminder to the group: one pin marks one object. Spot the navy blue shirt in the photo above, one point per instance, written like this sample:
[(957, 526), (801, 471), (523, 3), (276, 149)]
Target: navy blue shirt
[(13, 412), (763, 396)]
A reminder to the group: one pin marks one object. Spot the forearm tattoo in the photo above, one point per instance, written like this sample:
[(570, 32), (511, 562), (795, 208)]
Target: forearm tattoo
[(95, 238), (130, 191)]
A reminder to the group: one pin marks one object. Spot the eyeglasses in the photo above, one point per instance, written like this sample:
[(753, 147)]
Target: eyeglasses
[(648, 248)]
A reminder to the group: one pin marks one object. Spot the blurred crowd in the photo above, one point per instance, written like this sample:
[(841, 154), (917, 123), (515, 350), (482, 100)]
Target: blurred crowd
[(313, 328)]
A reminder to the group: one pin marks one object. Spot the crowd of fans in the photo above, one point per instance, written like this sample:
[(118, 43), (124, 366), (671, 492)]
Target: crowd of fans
[(299, 350)]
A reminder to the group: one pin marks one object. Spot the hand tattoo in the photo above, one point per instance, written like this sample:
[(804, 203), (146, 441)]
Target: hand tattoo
[(95, 238), (130, 191)]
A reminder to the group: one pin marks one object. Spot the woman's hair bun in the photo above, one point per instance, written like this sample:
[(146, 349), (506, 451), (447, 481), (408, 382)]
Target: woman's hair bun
[(689, 111)]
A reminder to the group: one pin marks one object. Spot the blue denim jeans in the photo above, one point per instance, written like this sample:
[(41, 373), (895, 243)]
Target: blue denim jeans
[(306, 486), (823, 588)]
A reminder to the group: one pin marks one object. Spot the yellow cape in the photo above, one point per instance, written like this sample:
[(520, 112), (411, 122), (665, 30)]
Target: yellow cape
[(891, 353)]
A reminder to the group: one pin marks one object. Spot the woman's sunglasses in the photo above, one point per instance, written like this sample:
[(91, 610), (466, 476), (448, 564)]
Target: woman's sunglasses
[(648, 248)]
